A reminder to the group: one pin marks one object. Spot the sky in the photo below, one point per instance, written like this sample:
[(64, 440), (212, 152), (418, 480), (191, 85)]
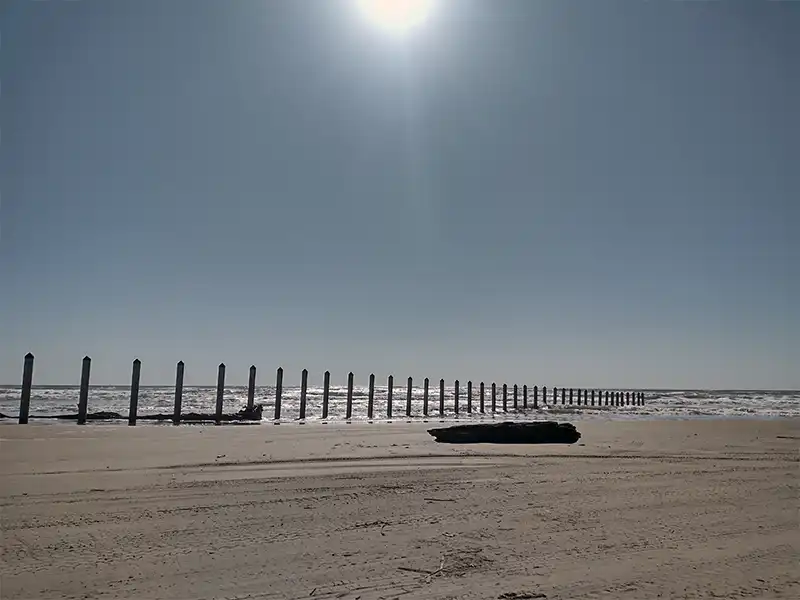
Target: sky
[(555, 193)]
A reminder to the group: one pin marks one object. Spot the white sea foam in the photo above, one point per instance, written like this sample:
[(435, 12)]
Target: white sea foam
[(48, 401)]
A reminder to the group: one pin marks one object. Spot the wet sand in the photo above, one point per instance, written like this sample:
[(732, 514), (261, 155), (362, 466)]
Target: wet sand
[(636, 510)]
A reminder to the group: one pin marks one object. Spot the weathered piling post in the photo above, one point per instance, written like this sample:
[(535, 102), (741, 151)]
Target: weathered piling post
[(469, 397), (83, 395), (349, 407), (251, 388), (606, 397), (482, 399), (27, 384), (456, 390), (176, 411), (592, 397), (535, 397), (524, 397), (627, 398), (389, 391), (516, 405), (278, 393), (555, 395), (426, 384), (409, 390), (618, 398), (326, 394), (494, 397), (371, 396), (134, 405), (303, 393), (505, 397), (544, 394), (220, 392), (563, 396), (570, 395), (441, 397)]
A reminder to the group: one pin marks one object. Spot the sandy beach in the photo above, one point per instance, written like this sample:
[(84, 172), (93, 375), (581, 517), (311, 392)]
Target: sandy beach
[(658, 509)]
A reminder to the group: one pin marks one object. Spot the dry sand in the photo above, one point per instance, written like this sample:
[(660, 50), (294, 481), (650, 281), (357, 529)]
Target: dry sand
[(668, 509)]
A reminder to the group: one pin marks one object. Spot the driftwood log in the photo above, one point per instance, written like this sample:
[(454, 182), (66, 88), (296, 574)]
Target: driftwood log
[(541, 432), (243, 415)]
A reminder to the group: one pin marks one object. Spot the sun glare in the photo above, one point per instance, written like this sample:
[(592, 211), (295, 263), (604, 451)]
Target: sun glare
[(396, 16)]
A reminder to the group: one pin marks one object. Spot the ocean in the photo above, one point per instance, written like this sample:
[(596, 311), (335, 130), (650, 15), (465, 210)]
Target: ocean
[(659, 404)]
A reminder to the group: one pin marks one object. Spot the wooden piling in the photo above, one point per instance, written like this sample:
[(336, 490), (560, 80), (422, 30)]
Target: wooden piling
[(606, 397), (251, 388), (220, 392), (371, 397), (580, 393), (326, 394), (349, 406), (303, 393), (83, 396), (469, 397), (134, 405), (176, 411), (278, 393), (505, 397), (544, 394), (441, 397), (563, 396), (482, 399), (409, 391), (456, 391), (494, 397), (516, 405), (389, 392), (592, 397), (426, 383), (570, 395), (27, 384), (535, 397), (524, 397)]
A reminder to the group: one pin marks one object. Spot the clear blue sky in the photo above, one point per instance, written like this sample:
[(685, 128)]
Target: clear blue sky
[(560, 193)]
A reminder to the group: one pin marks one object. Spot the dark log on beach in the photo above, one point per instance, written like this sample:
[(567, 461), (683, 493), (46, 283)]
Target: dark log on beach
[(246, 414), (96, 416), (541, 432)]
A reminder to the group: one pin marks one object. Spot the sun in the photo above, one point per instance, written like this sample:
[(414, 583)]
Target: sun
[(396, 16)]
